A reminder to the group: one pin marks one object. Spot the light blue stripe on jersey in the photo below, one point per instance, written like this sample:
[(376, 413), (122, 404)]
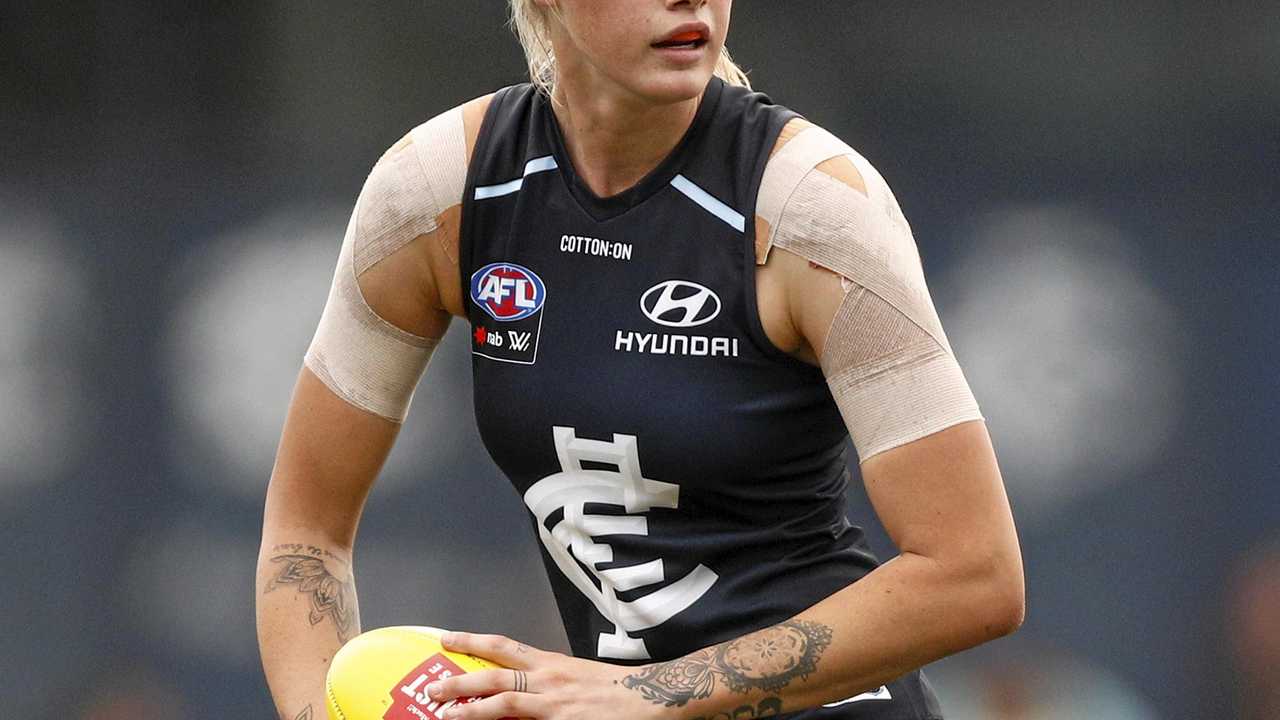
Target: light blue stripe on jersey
[(710, 204), (534, 166)]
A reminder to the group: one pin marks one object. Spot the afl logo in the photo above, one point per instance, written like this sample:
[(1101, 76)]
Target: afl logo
[(680, 303), (507, 291)]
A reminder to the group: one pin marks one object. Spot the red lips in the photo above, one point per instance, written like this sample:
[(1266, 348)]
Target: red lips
[(695, 34)]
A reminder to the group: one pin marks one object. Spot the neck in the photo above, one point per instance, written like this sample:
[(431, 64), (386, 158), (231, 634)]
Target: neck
[(615, 140)]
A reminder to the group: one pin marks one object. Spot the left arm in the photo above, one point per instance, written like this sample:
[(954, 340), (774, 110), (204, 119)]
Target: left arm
[(957, 583)]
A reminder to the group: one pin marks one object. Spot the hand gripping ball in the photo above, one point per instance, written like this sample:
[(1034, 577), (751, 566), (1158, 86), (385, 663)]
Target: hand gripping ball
[(383, 675)]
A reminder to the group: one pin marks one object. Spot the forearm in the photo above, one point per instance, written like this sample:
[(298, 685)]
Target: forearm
[(330, 452), (905, 614), (306, 610)]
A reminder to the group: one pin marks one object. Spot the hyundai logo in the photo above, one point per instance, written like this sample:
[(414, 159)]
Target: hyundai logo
[(680, 303)]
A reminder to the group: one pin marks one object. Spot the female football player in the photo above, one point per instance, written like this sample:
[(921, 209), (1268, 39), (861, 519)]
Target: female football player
[(682, 301)]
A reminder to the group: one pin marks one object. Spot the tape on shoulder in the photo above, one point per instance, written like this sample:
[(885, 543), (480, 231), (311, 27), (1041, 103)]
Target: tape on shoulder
[(834, 225), (441, 148), (420, 177), (887, 360), (784, 171), (395, 206), (362, 358)]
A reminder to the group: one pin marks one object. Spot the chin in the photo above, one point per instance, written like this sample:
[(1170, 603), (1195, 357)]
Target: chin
[(673, 87)]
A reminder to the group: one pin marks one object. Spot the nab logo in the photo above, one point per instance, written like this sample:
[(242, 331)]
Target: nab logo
[(680, 303), (507, 292)]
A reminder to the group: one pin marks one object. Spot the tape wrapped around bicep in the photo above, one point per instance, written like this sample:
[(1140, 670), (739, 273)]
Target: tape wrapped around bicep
[(887, 361), (893, 382), (361, 357)]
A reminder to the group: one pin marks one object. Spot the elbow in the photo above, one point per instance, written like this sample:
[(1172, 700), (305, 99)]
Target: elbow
[(988, 591), (1004, 603), (1007, 612)]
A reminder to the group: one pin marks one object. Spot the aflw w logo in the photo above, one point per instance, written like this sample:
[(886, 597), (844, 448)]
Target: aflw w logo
[(570, 543)]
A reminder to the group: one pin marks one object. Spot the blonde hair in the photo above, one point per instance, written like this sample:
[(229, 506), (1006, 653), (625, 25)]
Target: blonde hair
[(530, 26)]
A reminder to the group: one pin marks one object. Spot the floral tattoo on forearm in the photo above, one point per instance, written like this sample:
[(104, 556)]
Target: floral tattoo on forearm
[(766, 660), (330, 597), (768, 707)]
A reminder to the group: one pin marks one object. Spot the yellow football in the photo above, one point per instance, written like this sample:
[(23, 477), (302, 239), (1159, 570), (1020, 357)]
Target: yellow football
[(383, 675)]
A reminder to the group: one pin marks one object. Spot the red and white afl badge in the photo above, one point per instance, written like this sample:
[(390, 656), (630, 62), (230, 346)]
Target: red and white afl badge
[(512, 298)]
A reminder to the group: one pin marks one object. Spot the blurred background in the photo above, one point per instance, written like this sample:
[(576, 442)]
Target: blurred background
[(1095, 193)]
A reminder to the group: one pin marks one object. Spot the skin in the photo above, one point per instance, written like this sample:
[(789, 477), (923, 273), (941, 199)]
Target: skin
[(621, 104), (956, 583)]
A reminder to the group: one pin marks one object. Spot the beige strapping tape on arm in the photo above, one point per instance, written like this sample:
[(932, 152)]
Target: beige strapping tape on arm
[(782, 175), (892, 382), (361, 357), (886, 358), (861, 238), (441, 146), (417, 179)]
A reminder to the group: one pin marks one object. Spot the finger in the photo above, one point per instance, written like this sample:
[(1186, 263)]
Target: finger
[(503, 706), (472, 684), (498, 648)]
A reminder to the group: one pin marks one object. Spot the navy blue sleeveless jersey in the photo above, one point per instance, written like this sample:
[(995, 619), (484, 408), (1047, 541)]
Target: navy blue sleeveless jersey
[(686, 479)]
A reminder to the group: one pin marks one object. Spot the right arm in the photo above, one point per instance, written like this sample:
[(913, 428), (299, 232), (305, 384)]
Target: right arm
[(393, 292), (330, 452)]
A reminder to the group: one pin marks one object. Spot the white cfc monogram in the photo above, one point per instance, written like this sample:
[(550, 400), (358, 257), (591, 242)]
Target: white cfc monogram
[(572, 489)]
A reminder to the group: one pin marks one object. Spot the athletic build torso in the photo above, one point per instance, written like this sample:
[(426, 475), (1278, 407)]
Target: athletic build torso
[(685, 478)]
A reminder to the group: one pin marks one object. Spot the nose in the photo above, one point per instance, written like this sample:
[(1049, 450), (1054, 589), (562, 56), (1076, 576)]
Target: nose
[(695, 4)]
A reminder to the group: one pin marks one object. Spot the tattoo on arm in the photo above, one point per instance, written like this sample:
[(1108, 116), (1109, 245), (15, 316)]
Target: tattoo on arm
[(330, 597), (300, 549), (768, 707), (765, 660), (305, 714)]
